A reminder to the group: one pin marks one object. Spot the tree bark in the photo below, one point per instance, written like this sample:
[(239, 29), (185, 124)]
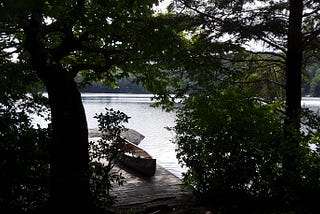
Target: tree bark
[(69, 156), (293, 92), (294, 66), (69, 185)]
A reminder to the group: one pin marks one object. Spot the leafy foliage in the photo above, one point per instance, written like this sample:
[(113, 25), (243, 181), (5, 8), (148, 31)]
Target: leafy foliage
[(103, 154), (235, 138), (24, 159), (311, 86), (100, 41), (24, 162), (281, 36), (234, 148)]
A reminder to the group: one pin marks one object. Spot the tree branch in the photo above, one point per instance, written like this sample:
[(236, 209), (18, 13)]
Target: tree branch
[(69, 43), (77, 68), (311, 13), (262, 80), (310, 36), (268, 53), (110, 60), (272, 44)]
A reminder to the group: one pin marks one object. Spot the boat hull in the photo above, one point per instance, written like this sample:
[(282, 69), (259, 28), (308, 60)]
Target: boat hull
[(145, 166)]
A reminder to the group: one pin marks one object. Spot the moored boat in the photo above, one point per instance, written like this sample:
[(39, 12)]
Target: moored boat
[(138, 159)]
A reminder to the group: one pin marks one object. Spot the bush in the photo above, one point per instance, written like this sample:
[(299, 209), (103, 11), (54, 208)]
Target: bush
[(24, 162), (233, 147), (103, 153)]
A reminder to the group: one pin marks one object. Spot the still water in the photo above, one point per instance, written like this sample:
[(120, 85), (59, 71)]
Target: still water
[(148, 121), (312, 103)]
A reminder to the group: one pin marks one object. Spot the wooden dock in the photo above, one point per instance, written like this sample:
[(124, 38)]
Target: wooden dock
[(138, 194)]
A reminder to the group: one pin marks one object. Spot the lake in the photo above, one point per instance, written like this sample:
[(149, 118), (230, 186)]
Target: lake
[(311, 102), (150, 122)]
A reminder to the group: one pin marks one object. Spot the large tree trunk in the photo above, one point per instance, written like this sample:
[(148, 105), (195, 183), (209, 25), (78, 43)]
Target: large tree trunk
[(69, 158), (294, 65), (69, 185), (293, 88)]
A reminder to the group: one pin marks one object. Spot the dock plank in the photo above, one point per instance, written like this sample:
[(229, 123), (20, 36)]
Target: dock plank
[(142, 190)]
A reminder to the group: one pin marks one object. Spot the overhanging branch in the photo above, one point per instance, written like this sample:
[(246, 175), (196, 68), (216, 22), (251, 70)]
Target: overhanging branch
[(262, 80)]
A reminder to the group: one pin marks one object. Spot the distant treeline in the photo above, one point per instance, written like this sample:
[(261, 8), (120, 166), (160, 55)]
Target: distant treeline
[(124, 86), (311, 86)]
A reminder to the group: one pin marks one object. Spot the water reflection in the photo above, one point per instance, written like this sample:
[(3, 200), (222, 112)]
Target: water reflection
[(311, 102), (118, 98), (150, 122)]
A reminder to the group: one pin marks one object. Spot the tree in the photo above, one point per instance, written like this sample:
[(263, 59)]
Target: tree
[(233, 147), (285, 30), (99, 40), (288, 33), (288, 30)]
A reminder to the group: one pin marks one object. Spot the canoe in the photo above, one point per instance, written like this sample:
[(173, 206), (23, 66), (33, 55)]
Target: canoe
[(129, 134), (138, 160)]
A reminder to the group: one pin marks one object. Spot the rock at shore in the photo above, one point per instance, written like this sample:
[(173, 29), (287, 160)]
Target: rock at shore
[(131, 135)]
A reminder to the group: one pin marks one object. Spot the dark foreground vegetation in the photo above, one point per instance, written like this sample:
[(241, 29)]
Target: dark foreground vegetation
[(241, 131)]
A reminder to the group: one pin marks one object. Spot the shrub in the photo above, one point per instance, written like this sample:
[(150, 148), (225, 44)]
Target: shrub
[(103, 153), (24, 162), (233, 147)]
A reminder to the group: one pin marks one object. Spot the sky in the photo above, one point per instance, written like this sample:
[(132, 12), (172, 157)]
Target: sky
[(162, 5), (251, 45)]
